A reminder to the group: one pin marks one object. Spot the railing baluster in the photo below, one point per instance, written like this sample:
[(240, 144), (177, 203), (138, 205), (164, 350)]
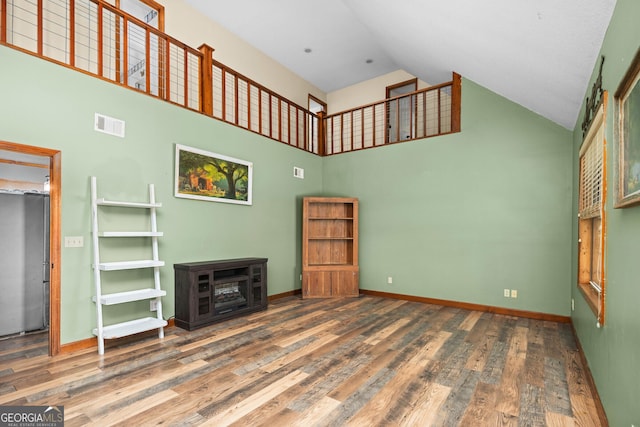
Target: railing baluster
[(385, 123), (362, 128), (293, 126), (119, 72), (167, 73), (413, 117), (270, 116), (373, 120), (333, 130), (161, 44), (397, 120), (223, 79), (147, 61), (438, 114), (125, 55), (260, 111), (39, 17), (248, 105), (202, 102), (328, 137), (301, 135), (289, 123), (235, 100), (351, 128), (424, 114), (279, 119), (305, 133), (342, 133), (72, 33), (100, 40)]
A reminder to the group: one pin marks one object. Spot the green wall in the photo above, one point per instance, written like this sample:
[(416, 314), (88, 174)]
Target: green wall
[(47, 105), (459, 217), (465, 216), (613, 351)]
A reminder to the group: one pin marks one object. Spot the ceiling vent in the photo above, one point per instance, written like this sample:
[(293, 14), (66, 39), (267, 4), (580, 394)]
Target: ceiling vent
[(109, 125)]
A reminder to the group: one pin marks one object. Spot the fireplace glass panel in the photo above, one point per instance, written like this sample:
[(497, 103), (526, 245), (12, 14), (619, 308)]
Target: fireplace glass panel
[(230, 296)]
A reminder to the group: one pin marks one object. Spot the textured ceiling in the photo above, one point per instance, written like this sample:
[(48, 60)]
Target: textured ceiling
[(537, 53)]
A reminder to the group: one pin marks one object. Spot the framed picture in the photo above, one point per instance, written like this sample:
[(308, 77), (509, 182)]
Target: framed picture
[(628, 106), (203, 175)]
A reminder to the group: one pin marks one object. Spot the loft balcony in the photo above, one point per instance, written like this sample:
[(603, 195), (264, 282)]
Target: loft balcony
[(97, 38)]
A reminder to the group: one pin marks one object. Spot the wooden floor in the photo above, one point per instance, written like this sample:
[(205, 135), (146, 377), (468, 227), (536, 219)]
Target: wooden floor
[(363, 362)]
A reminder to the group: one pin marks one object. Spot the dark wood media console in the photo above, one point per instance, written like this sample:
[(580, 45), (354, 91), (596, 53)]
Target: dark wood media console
[(211, 291)]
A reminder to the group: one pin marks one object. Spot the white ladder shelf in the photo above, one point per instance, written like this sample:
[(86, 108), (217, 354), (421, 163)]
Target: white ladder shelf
[(101, 298)]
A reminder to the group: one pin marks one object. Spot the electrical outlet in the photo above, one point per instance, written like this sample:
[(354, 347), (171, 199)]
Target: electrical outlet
[(507, 293), (389, 280), (73, 241), (514, 293), (153, 305), (573, 304)]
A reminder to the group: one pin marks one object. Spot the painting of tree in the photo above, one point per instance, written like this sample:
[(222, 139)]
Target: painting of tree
[(631, 135), (628, 98), (209, 176)]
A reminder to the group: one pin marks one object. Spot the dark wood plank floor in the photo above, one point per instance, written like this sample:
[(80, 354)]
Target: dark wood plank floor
[(362, 362)]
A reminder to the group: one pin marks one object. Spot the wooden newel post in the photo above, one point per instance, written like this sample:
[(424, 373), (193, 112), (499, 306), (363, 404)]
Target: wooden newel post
[(3, 21), (206, 79), (456, 103), (322, 139)]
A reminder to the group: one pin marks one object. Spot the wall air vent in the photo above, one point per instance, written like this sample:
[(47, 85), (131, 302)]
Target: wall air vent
[(109, 125)]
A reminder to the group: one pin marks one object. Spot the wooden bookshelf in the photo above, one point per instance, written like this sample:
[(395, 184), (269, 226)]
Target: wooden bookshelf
[(330, 247)]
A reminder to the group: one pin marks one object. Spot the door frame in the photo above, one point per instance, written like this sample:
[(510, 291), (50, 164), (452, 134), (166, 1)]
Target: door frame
[(315, 122), (55, 175), (414, 84)]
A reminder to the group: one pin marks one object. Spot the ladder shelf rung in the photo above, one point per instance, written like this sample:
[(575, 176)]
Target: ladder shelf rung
[(130, 234), (146, 205), (118, 330), (129, 296), (129, 265)]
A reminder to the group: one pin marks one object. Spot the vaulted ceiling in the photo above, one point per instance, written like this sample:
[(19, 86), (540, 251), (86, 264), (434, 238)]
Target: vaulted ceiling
[(537, 53)]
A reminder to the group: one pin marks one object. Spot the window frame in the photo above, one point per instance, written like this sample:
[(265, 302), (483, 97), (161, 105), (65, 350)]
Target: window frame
[(594, 291)]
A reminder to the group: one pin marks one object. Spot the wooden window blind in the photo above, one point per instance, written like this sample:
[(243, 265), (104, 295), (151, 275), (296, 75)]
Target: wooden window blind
[(591, 176)]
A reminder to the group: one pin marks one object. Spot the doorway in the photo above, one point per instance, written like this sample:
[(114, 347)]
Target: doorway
[(401, 112), (24, 256), (315, 106), (47, 160)]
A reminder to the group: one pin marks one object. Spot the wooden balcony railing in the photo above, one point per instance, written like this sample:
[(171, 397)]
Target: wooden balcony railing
[(97, 38), (424, 113), (239, 100)]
